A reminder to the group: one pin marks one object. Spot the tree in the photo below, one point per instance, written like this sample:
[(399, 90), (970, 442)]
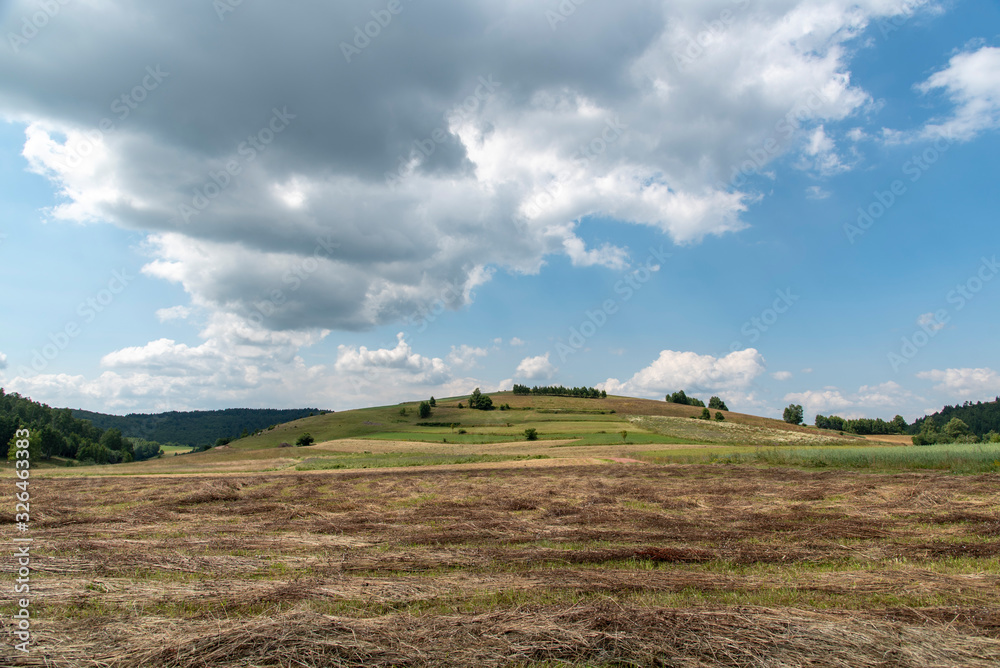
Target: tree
[(531, 434), (706, 414), (898, 425), (956, 428), (305, 439), (433, 402), (424, 410), (991, 437), (34, 447), (793, 414), (719, 417), (480, 401), (624, 435), (715, 403), (402, 411)]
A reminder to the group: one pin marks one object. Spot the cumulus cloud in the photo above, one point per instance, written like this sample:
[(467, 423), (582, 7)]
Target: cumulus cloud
[(888, 396), (782, 375), (516, 342), (675, 370), (480, 155), (535, 368), (3, 361), (817, 192), (971, 81), (465, 356), (239, 364), (965, 383), (173, 313)]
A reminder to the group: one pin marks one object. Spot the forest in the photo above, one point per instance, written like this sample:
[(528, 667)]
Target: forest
[(981, 417), (195, 428), (56, 433)]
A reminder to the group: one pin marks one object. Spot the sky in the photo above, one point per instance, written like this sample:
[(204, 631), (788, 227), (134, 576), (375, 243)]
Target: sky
[(247, 204)]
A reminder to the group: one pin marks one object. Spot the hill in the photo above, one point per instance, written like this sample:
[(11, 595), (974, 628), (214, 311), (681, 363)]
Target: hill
[(194, 428), (982, 417)]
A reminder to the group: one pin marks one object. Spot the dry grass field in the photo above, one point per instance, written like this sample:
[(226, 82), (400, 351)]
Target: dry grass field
[(601, 565), (456, 542)]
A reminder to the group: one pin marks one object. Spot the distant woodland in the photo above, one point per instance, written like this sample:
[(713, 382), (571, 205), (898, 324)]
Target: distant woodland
[(96, 438), (195, 428)]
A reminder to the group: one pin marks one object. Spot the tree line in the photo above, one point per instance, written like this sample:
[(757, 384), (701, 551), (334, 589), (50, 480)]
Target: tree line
[(560, 391)]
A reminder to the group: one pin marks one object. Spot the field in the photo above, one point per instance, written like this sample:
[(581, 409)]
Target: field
[(581, 549)]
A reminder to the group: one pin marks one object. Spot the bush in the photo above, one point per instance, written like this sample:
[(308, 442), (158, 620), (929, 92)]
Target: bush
[(424, 410), (706, 414), (433, 402), (305, 439), (531, 434), (719, 417)]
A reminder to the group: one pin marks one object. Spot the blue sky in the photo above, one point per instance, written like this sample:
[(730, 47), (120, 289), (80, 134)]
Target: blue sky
[(307, 278)]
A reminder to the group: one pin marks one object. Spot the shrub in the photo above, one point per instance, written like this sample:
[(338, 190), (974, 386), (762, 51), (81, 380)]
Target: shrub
[(706, 414), (719, 417), (531, 434), (305, 439), (424, 410)]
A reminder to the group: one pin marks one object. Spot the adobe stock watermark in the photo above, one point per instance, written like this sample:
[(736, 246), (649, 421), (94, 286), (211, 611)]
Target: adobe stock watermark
[(930, 324), (87, 310), (883, 200), (425, 148), (246, 152), (372, 29), (714, 31), (34, 24), (907, 9), (22, 519), (562, 12), (122, 106), (784, 130), (294, 278), (753, 328), (625, 289), (224, 7), (586, 154)]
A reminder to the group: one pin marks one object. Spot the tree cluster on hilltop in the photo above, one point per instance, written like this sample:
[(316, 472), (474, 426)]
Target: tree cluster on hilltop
[(680, 397), (560, 391)]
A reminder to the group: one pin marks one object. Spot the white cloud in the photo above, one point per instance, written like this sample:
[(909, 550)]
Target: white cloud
[(972, 82), (888, 397), (674, 370), (3, 361), (311, 232), (782, 375), (816, 192), (516, 342), (535, 368), (465, 356), (930, 322), (173, 313), (965, 383)]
